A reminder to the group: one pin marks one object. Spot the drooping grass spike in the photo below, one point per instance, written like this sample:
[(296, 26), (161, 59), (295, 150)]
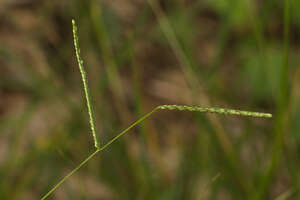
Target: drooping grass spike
[(85, 85), (223, 111)]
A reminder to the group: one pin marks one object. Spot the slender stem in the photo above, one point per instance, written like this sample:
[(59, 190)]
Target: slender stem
[(282, 104), (97, 151), (130, 127), (70, 174)]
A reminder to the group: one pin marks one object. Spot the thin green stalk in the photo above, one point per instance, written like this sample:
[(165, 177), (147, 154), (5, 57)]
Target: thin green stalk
[(109, 59), (130, 127), (97, 151), (279, 122), (70, 174), (174, 43), (85, 85)]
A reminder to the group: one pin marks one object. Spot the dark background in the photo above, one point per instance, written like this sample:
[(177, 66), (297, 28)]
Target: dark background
[(226, 53)]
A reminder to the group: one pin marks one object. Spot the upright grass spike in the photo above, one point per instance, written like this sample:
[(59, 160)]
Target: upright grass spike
[(161, 107), (85, 85)]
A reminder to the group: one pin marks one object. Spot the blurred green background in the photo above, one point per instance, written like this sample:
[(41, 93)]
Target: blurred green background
[(138, 54)]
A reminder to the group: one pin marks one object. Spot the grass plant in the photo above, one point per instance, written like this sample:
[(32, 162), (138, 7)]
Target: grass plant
[(99, 148)]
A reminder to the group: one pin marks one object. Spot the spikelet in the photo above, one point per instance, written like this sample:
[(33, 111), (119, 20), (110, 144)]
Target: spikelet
[(85, 85), (214, 110)]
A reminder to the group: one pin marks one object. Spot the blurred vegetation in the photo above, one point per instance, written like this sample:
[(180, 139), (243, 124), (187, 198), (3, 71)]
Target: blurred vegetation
[(140, 54)]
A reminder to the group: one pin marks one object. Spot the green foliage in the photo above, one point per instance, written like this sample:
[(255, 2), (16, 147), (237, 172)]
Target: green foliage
[(137, 55)]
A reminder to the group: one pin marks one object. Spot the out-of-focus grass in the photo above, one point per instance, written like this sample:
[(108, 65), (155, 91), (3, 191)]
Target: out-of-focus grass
[(234, 52)]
